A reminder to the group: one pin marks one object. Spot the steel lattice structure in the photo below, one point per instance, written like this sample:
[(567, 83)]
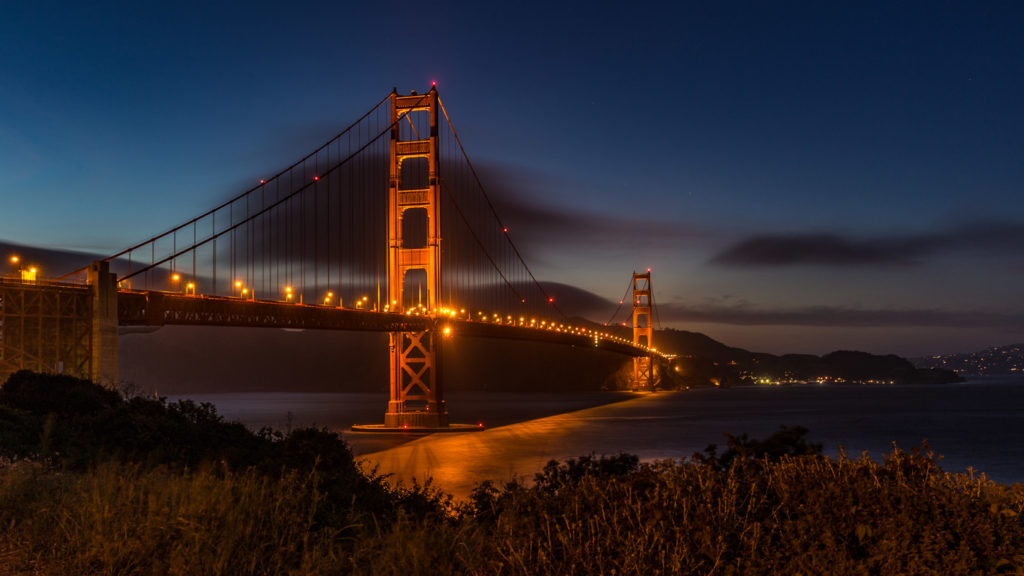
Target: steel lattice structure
[(45, 328)]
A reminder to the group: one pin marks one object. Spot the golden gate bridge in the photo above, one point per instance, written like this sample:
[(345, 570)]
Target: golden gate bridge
[(386, 227)]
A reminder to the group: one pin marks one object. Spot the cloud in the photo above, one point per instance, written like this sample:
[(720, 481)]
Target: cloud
[(528, 203), (577, 302), (826, 249), (742, 314), (52, 261), (830, 249)]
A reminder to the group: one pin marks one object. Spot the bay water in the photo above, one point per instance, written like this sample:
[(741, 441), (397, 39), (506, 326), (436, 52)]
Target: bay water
[(977, 424)]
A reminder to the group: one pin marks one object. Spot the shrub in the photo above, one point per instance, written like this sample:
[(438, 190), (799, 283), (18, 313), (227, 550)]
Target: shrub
[(57, 393), (785, 441)]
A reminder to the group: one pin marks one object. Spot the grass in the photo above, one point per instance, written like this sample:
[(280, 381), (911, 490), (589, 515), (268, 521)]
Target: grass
[(118, 519)]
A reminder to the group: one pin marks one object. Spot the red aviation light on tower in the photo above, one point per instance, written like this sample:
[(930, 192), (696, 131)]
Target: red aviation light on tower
[(433, 83), (551, 300)]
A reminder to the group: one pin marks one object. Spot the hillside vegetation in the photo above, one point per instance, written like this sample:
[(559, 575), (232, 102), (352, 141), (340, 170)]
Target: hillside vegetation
[(92, 483)]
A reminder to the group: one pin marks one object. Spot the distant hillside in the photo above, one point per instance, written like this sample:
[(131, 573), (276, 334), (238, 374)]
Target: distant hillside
[(997, 361), (704, 361)]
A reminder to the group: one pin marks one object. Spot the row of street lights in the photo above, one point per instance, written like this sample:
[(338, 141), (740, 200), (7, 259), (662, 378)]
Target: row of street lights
[(364, 304)]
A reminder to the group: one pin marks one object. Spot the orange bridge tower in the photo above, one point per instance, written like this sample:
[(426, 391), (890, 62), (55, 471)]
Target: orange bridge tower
[(414, 264), (643, 331)]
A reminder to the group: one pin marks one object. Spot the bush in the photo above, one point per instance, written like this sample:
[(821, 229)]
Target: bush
[(56, 393), (95, 426), (750, 453)]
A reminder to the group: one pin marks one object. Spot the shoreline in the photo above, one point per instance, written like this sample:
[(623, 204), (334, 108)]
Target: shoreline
[(456, 464)]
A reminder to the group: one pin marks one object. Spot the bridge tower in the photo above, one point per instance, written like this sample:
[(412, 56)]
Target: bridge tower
[(643, 331), (414, 246)]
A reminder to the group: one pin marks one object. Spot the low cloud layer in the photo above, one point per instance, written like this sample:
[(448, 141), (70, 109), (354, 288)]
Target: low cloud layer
[(578, 302), (829, 249), (529, 204), (52, 262), (838, 316)]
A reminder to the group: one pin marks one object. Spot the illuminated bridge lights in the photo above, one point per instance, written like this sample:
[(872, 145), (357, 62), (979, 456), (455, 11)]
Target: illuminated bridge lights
[(449, 311)]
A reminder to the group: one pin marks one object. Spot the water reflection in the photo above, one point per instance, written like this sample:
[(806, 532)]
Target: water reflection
[(458, 462)]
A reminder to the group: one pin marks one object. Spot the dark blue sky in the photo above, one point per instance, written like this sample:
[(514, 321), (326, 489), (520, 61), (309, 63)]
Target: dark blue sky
[(802, 177)]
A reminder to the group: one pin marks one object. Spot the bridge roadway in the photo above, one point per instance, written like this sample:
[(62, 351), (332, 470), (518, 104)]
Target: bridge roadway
[(153, 308)]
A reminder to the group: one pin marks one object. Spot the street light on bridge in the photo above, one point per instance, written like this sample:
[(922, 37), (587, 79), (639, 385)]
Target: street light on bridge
[(15, 260)]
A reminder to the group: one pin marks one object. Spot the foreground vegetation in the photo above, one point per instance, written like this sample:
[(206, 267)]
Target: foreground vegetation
[(94, 484)]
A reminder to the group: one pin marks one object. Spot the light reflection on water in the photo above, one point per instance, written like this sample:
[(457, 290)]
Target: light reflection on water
[(978, 423)]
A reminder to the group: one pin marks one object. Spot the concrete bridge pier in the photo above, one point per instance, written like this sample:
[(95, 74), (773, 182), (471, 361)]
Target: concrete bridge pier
[(103, 288)]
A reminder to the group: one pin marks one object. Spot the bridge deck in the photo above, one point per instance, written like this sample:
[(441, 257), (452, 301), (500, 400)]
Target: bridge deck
[(161, 308)]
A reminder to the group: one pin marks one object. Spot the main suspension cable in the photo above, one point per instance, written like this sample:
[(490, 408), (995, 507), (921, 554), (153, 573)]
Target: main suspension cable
[(621, 301)]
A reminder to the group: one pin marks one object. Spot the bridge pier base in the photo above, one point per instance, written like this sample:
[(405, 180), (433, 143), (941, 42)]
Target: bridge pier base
[(417, 405), (416, 398), (406, 420)]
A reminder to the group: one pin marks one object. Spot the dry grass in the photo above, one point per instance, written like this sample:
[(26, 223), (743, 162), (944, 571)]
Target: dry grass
[(799, 515), (120, 520)]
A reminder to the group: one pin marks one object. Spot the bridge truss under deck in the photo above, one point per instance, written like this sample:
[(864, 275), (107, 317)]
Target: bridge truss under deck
[(45, 328)]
